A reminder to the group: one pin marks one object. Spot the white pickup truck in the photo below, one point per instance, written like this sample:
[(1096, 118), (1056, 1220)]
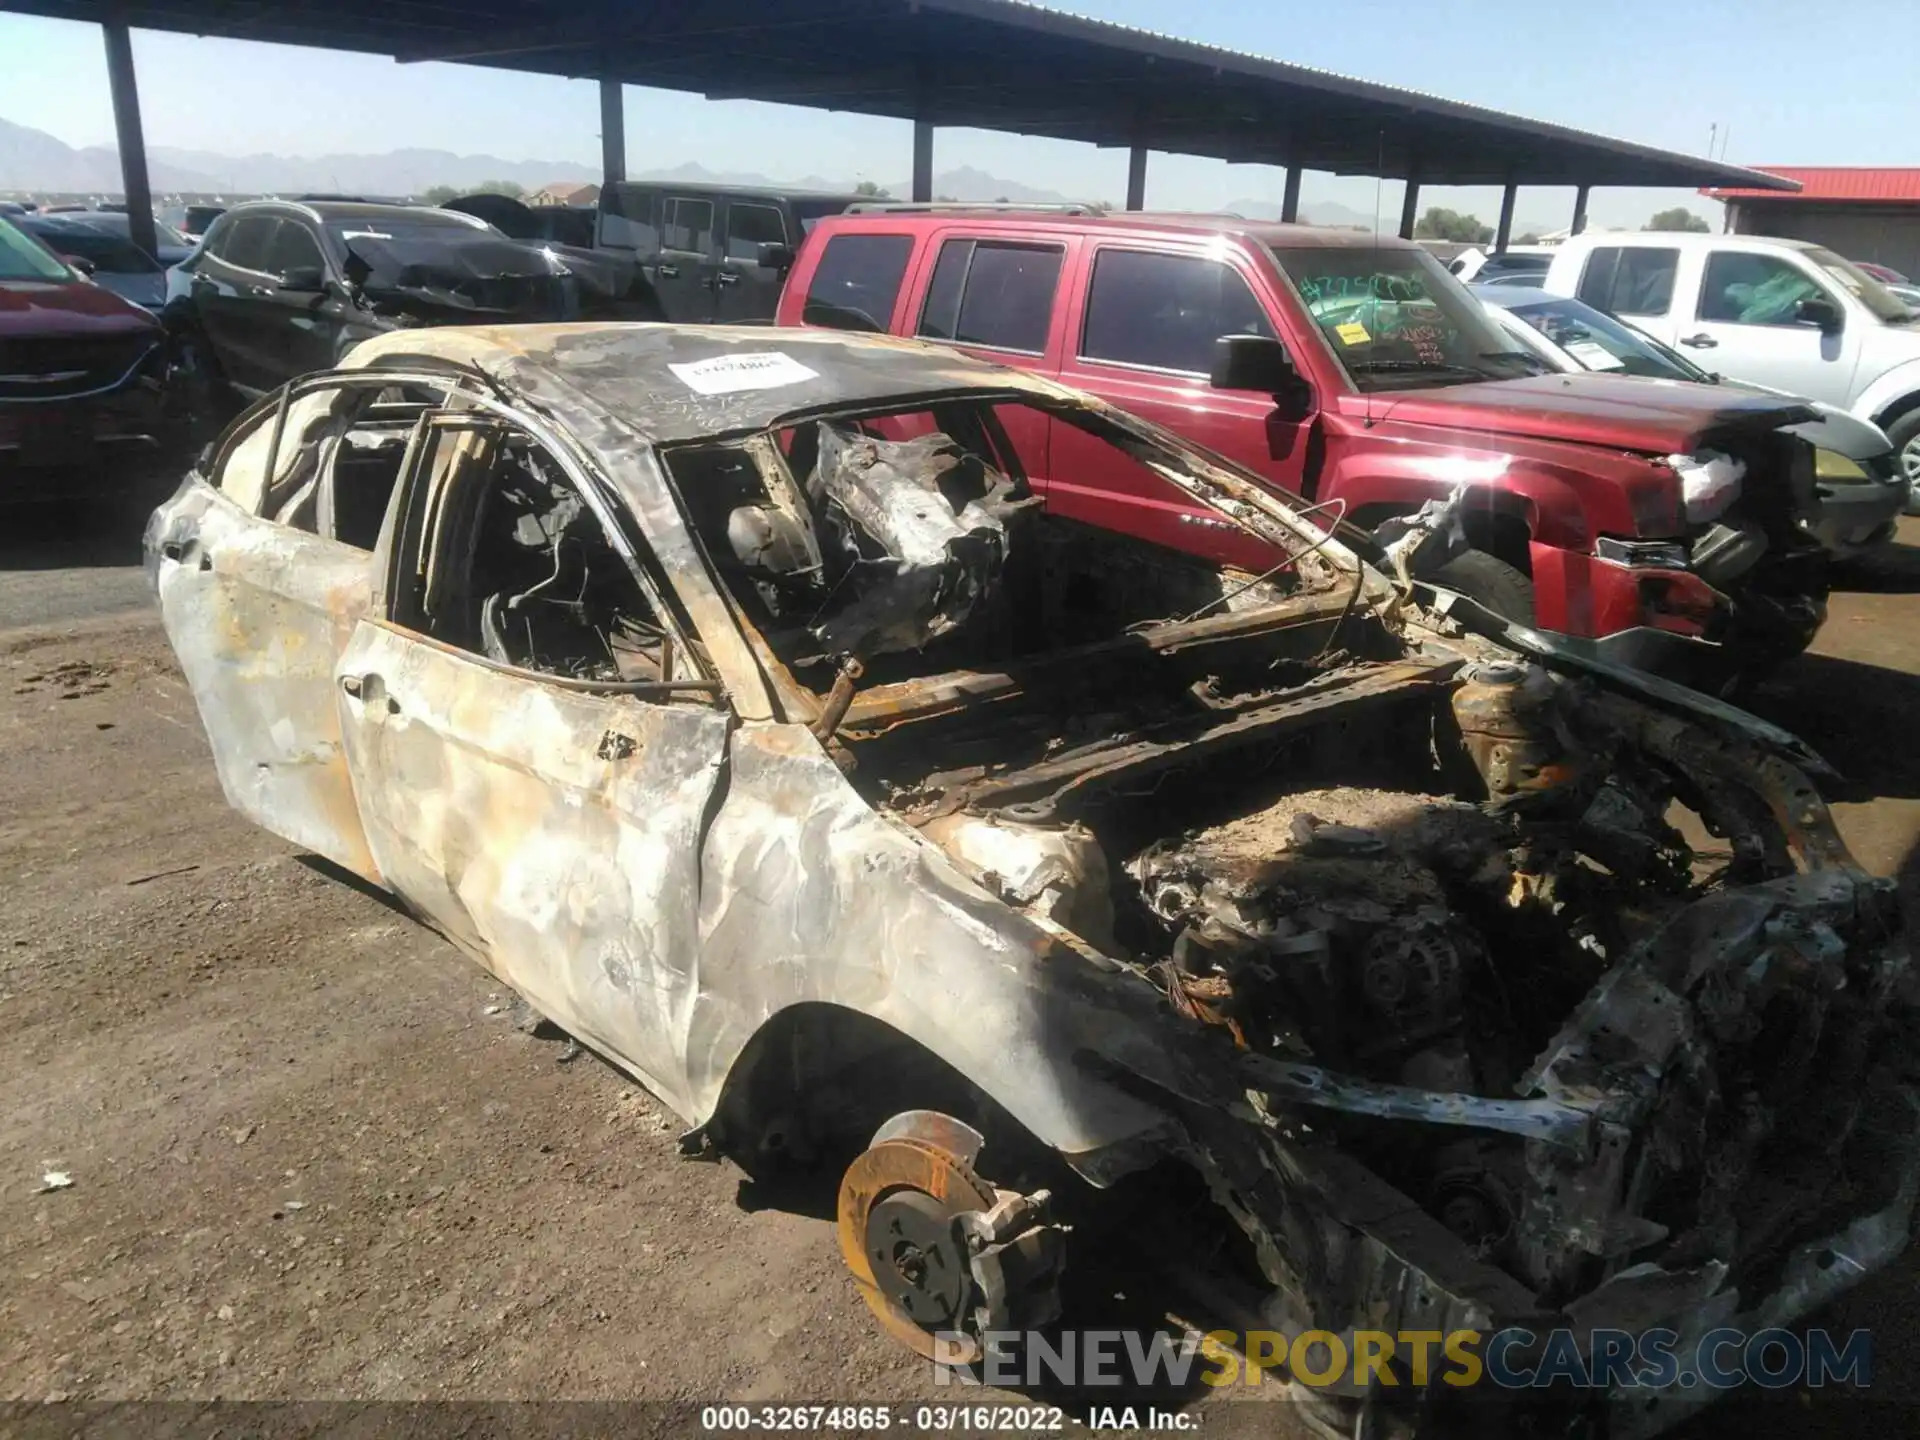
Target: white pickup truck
[(1781, 313)]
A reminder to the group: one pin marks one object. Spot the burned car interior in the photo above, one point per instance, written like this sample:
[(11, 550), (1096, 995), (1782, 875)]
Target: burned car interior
[(511, 563), (1467, 981)]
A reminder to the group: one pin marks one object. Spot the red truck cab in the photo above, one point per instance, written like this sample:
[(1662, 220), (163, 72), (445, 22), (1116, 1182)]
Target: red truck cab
[(1384, 385)]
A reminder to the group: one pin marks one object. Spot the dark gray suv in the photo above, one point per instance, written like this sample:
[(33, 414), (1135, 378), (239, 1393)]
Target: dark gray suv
[(713, 252)]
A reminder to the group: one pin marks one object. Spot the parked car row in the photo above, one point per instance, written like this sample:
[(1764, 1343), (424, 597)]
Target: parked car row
[(1680, 525)]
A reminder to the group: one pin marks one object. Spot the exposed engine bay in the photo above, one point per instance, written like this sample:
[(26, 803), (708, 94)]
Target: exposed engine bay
[(1591, 985)]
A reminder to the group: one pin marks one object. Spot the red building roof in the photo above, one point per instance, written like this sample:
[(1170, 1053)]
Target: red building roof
[(1828, 183)]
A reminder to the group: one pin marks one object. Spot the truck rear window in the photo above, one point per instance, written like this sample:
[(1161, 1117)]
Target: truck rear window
[(1629, 279), (856, 282)]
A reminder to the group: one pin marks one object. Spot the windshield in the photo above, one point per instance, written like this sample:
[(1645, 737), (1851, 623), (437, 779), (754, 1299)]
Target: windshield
[(108, 253), (1396, 319), (1599, 342), (422, 232), (112, 222), (23, 259), (1862, 286)]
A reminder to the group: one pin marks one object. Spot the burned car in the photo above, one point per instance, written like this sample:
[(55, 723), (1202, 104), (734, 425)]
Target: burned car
[(731, 696)]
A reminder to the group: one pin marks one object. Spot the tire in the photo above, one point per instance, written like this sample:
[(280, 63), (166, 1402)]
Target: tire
[(1905, 435), (1491, 581)]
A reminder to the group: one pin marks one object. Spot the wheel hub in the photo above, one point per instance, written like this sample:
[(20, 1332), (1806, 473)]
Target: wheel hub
[(938, 1254), (898, 1205), (919, 1261)]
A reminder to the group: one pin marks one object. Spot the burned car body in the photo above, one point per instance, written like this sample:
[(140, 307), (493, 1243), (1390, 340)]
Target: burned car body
[(729, 696)]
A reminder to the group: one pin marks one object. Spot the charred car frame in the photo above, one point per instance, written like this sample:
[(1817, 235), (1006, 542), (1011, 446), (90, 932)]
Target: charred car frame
[(730, 696)]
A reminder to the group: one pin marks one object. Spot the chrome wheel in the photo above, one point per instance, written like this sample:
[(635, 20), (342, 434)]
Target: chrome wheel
[(1909, 461)]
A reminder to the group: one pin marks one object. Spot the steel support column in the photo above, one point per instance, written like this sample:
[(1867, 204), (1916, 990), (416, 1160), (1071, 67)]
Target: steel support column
[(1410, 205), (1137, 178), (1504, 232), (613, 132), (922, 161), (128, 135), (1579, 210), (1290, 197)]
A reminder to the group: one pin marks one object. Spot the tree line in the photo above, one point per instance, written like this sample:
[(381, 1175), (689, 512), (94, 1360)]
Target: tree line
[(1440, 223)]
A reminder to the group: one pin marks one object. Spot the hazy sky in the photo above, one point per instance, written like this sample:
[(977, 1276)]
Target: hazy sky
[(1662, 72)]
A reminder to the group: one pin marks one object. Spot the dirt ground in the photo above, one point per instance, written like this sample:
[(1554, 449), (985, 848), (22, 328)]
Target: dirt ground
[(311, 1158)]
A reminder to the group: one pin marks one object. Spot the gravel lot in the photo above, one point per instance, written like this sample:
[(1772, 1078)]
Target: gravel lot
[(309, 1159)]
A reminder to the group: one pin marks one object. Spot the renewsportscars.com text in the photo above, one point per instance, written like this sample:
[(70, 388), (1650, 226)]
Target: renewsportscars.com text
[(1512, 1359)]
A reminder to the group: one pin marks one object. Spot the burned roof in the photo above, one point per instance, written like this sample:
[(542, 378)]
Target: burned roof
[(676, 383)]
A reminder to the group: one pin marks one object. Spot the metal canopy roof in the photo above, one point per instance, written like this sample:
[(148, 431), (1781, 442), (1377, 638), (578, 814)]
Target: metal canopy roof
[(996, 64)]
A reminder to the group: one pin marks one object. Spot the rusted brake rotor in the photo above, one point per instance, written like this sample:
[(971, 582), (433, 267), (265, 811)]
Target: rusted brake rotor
[(935, 1250)]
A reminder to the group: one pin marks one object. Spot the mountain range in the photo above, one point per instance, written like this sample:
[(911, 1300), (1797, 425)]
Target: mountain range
[(36, 162)]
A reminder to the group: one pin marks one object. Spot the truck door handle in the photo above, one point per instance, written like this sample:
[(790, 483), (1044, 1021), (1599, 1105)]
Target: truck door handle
[(1702, 341), (667, 272), (727, 277)]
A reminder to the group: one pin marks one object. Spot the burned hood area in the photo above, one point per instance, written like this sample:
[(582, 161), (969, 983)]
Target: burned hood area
[(1480, 989)]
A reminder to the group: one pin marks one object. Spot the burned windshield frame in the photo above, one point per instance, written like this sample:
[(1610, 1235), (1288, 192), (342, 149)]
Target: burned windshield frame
[(1358, 297)]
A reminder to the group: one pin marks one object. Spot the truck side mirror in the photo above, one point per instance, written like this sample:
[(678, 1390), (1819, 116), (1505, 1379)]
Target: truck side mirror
[(1252, 362), (775, 256), (1819, 310)]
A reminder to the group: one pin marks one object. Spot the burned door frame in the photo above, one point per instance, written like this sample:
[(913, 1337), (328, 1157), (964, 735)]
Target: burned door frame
[(549, 826), (259, 611)]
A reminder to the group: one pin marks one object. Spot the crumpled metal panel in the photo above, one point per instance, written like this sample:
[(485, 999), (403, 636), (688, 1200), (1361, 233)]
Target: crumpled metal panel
[(809, 895), (553, 834), (941, 553), (257, 613)]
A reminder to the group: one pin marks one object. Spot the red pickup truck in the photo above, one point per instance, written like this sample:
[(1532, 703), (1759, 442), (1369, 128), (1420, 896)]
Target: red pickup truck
[(1658, 519)]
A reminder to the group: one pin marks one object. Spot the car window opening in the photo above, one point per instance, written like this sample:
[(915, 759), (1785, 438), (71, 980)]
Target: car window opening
[(340, 460), (515, 566), (913, 544)]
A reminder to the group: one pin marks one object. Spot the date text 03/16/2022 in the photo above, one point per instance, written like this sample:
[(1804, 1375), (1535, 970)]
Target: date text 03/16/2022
[(930, 1419)]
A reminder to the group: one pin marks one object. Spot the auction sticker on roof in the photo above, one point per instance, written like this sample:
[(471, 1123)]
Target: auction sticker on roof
[(759, 370)]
